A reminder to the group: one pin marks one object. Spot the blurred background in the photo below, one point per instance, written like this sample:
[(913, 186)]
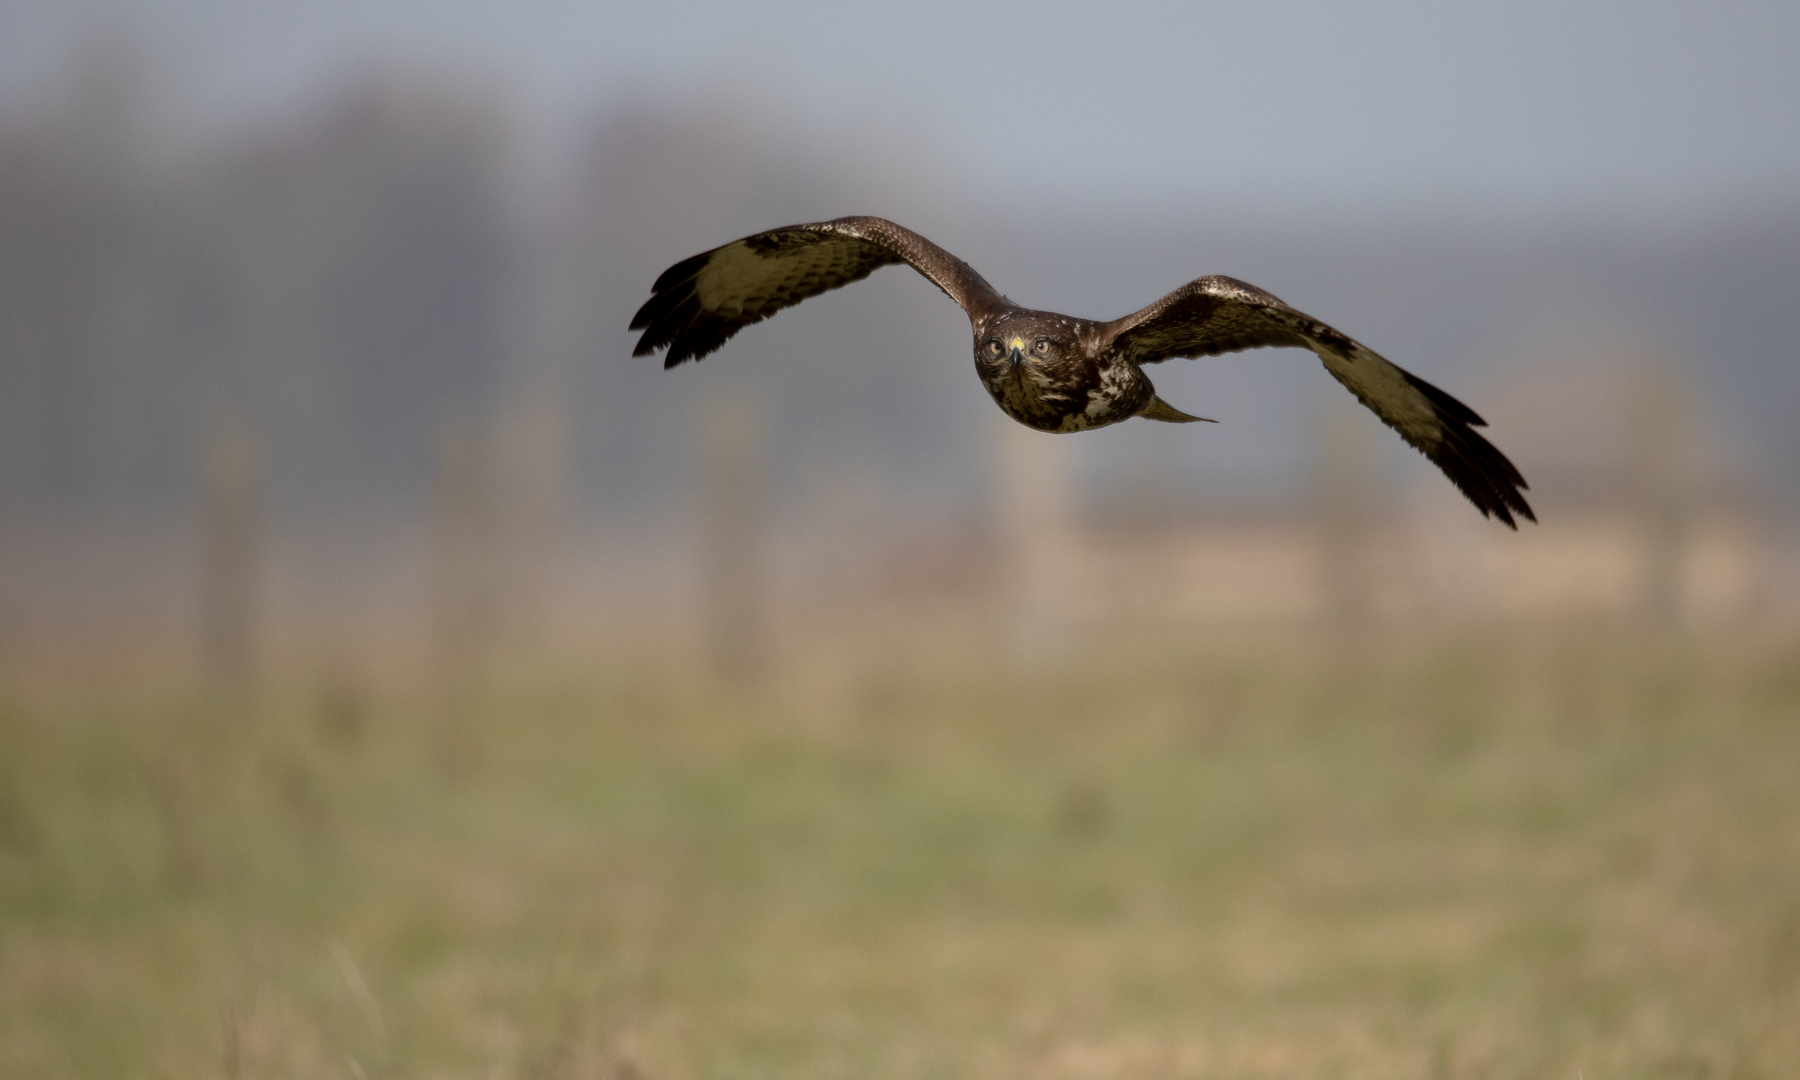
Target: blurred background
[(441, 690)]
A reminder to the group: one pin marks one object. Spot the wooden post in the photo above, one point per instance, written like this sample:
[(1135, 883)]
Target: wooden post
[(532, 494), (1035, 542), (1346, 491), (1664, 491), (733, 463), (230, 558), (462, 587)]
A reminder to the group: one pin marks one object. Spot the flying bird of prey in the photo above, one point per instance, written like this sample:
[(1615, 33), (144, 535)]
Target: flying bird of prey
[(1058, 373)]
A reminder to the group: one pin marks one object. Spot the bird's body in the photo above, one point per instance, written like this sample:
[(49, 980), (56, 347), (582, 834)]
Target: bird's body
[(1057, 373), (1075, 385)]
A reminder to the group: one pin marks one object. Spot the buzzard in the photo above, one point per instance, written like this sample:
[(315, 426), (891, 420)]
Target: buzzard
[(1055, 372)]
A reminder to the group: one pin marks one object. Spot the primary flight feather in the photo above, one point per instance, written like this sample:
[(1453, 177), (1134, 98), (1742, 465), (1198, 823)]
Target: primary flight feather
[(1058, 373)]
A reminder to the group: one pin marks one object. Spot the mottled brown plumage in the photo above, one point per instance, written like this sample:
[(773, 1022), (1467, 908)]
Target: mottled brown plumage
[(1055, 372)]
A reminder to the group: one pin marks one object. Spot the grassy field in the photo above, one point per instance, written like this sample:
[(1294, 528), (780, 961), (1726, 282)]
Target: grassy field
[(1573, 858)]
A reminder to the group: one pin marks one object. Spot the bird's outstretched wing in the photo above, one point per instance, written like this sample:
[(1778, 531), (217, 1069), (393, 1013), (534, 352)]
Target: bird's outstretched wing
[(697, 304), (1214, 314)]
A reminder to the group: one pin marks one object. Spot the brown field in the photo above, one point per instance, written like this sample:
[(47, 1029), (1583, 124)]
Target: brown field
[(1557, 855)]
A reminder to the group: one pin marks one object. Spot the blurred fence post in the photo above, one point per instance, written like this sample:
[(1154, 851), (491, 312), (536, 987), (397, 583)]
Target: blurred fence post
[(732, 465), (230, 557), (1346, 491), (1663, 417), (462, 561), (531, 465), (1035, 537)]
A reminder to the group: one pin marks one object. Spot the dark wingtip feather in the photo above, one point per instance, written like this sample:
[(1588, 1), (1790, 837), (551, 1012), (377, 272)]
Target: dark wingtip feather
[(674, 287), (646, 314), (673, 317), (682, 272), (701, 336), (1477, 467), (1447, 406), (1482, 473)]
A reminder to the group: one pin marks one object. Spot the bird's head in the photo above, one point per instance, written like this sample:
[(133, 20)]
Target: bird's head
[(1022, 344)]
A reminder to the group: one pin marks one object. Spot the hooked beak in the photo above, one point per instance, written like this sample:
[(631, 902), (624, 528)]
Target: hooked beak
[(1016, 354)]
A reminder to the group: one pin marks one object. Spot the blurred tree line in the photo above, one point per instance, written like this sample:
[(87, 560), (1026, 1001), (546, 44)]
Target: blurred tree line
[(385, 263), (341, 284)]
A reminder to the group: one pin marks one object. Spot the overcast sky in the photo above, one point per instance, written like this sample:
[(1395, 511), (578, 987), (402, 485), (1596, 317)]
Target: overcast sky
[(1647, 107)]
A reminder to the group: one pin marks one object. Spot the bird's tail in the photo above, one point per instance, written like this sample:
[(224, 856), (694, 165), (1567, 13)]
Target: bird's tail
[(1158, 409)]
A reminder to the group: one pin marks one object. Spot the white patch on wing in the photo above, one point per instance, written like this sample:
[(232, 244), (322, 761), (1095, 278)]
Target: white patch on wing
[(1383, 388), (732, 274)]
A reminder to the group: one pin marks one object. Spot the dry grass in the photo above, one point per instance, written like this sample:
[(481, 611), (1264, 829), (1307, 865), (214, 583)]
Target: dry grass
[(1479, 858)]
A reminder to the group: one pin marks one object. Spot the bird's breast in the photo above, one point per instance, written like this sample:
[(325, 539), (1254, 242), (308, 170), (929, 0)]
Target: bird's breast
[(1073, 396)]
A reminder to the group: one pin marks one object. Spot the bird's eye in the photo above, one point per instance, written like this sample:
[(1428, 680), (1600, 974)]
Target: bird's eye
[(1042, 348), (994, 348)]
